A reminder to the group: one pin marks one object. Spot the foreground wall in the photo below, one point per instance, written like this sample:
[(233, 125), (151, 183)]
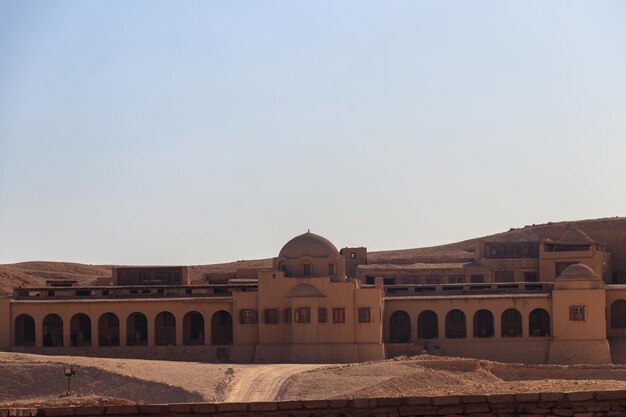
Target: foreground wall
[(577, 404)]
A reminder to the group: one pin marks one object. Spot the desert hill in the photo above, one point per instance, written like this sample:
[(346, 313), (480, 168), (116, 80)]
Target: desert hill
[(609, 231)]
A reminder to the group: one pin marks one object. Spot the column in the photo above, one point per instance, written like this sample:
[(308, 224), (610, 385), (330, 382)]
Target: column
[(207, 329), (179, 330), (67, 324), (123, 320), (151, 330), (38, 331), (497, 324), (95, 335)]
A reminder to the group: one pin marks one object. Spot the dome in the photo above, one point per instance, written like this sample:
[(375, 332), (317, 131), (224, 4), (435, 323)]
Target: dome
[(575, 236), (308, 244), (305, 290), (577, 271)]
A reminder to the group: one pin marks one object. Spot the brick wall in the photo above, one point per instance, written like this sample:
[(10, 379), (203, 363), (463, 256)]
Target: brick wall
[(547, 404)]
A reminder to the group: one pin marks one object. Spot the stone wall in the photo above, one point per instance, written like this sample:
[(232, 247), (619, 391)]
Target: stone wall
[(503, 350), (546, 404), (200, 353)]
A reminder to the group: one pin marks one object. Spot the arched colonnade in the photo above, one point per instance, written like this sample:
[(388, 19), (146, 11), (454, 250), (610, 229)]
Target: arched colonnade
[(402, 328), (134, 329)]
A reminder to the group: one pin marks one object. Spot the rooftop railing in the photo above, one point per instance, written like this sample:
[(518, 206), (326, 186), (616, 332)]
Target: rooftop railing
[(468, 288), (130, 292)]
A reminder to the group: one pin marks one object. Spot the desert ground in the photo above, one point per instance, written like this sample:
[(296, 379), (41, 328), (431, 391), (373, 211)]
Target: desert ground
[(31, 380)]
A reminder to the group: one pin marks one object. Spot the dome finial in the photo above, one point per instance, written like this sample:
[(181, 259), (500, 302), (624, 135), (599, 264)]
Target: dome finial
[(308, 230)]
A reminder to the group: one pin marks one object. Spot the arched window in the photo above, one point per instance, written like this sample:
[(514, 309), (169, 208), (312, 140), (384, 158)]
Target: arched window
[(399, 327), (108, 330), (539, 323), (222, 328), (618, 314), (193, 328), (165, 329), (53, 330), (483, 324), (456, 327), (80, 330), (24, 330), (511, 323), (427, 325), (137, 330)]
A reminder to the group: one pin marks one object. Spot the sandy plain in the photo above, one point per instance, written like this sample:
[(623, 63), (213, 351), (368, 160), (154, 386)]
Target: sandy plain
[(31, 380)]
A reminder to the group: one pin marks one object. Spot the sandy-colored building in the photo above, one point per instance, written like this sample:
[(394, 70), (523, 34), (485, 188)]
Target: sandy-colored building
[(540, 301)]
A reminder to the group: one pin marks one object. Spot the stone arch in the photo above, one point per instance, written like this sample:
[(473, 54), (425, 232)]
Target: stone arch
[(618, 314), (221, 328), (165, 329), (427, 325), (52, 330), (80, 330), (108, 330), (193, 328), (456, 324), (511, 323), (399, 327), (483, 324), (24, 331), (137, 330), (539, 323)]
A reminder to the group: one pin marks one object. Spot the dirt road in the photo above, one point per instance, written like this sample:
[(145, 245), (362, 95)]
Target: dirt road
[(262, 382)]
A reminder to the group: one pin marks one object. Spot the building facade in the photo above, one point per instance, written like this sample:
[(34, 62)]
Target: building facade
[(536, 301)]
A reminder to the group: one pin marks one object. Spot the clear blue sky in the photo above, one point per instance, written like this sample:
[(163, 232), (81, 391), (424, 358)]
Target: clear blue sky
[(151, 132)]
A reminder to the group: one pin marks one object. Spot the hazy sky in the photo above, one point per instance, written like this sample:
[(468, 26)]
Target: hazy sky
[(150, 132)]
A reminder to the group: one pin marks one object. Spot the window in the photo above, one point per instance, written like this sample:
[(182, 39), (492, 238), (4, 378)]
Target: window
[(505, 276), (456, 279), (577, 313), (510, 316), (457, 316), (511, 250), (339, 315), (477, 278), (352, 255), (247, 316), (303, 315), (321, 315), (370, 280), (433, 279), (306, 269), (271, 316), (331, 269), (364, 315), (531, 276), (287, 315), (169, 319)]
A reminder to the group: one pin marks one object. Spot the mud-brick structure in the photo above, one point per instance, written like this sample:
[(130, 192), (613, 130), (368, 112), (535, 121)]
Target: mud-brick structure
[(529, 298)]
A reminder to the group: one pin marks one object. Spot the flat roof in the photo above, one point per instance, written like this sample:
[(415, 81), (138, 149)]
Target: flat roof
[(463, 297), (114, 300)]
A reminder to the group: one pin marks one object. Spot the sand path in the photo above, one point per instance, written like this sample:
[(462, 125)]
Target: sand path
[(262, 382)]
